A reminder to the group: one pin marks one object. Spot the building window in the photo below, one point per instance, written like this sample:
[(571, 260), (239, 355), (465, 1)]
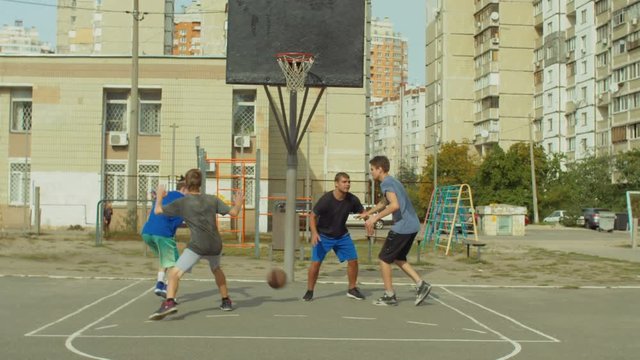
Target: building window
[(19, 182), (571, 144), (148, 179), (584, 118), (583, 145), (150, 106), (634, 131), (249, 183), (116, 110), (618, 134), (244, 112), (549, 125), (583, 16), (116, 181), (21, 110)]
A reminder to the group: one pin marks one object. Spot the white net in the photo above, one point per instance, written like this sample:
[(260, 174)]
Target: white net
[(295, 67)]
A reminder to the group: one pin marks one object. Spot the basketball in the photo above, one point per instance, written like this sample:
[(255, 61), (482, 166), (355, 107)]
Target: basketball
[(276, 278)]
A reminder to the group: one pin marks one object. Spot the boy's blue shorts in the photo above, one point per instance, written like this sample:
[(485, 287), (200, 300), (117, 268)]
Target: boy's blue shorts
[(342, 246)]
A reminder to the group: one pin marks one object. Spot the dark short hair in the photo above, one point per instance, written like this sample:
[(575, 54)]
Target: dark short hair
[(341, 175), (193, 178), (381, 161)]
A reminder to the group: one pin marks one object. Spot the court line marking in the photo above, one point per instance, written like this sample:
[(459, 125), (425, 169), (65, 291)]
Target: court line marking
[(474, 330), (290, 315), (69, 342), (221, 337), (106, 327), (218, 316), (517, 348), (337, 282), (358, 318), (421, 323), (79, 310), (503, 316)]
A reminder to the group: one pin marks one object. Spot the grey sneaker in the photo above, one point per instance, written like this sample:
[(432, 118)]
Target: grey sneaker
[(226, 304), (167, 307), (386, 300), (422, 292), (355, 294), (308, 295)]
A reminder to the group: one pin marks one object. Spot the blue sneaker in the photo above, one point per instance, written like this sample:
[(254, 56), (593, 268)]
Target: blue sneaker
[(161, 289)]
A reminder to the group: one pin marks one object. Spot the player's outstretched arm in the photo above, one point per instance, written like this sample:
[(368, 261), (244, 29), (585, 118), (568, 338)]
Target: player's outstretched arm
[(238, 201), (160, 194)]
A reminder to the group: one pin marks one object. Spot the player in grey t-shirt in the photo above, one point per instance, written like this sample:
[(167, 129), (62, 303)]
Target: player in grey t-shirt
[(400, 238), (199, 212)]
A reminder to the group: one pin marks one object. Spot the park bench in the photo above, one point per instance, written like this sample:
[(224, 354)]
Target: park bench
[(477, 244)]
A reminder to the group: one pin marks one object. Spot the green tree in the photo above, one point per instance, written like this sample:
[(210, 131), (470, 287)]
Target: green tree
[(457, 164)]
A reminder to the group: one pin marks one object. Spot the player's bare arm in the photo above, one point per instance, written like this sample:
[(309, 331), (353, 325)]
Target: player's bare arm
[(314, 230), (160, 194), (392, 205), (238, 200)]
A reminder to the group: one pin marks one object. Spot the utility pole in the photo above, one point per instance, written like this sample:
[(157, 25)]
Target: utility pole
[(132, 159), (534, 188), (435, 157), (173, 154)]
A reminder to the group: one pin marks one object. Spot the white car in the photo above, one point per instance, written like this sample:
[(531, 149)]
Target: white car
[(353, 220), (554, 217)]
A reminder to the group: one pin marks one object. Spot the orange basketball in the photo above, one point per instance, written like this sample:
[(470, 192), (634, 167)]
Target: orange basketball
[(277, 278)]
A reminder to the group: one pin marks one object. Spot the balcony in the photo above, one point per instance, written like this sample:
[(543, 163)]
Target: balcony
[(482, 3), (602, 125), (486, 91), (487, 114), (604, 99), (571, 7)]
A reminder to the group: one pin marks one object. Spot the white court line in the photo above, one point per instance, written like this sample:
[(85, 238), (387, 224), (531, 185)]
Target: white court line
[(106, 327), (373, 283), (215, 337), (421, 323), (78, 311), (503, 316), (289, 315), (516, 346), (219, 316), (358, 318), (69, 342), (474, 330)]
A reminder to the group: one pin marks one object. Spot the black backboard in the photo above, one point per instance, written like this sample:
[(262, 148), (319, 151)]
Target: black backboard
[(332, 30)]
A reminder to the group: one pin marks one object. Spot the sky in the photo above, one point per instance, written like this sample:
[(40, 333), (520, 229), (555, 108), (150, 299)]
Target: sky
[(407, 16)]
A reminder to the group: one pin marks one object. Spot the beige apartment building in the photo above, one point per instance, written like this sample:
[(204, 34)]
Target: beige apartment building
[(104, 27), (66, 134), (478, 57)]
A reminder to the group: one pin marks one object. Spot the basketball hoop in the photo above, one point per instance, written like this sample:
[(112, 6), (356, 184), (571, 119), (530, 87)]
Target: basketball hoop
[(295, 66)]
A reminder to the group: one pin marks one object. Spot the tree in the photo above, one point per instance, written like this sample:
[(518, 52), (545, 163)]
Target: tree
[(457, 164)]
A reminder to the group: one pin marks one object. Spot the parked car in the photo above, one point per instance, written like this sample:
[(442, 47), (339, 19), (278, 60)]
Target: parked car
[(591, 217), (353, 219), (554, 217)]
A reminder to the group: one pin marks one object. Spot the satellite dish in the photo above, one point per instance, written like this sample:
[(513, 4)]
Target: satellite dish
[(495, 16), (484, 133)]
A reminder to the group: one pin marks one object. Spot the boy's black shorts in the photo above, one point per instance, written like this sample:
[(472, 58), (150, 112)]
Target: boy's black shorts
[(396, 247)]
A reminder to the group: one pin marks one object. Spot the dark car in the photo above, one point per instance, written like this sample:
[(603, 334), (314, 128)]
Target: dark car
[(592, 217)]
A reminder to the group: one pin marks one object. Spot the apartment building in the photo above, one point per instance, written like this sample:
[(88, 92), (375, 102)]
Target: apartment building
[(398, 128), (187, 31), (68, 134), (389, 60), (478, 56), (105, 27), (16, 39)]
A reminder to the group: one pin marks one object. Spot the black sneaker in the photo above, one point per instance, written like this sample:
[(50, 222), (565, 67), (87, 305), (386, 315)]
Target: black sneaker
[(386, 300), (226, 304), (355, 294), (422, 292), (167, 307), (308, 295)]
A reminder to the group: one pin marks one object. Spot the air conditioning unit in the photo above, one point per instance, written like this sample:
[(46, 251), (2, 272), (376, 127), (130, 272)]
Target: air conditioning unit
[(567, 55), (537, 64), (583, 50), (495, 40), (241, 141), (478, 24), (604, 41), (600, 96), (118, 139)]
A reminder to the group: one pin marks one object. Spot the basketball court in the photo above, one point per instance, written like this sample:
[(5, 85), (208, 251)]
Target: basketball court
[(84, 318)]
